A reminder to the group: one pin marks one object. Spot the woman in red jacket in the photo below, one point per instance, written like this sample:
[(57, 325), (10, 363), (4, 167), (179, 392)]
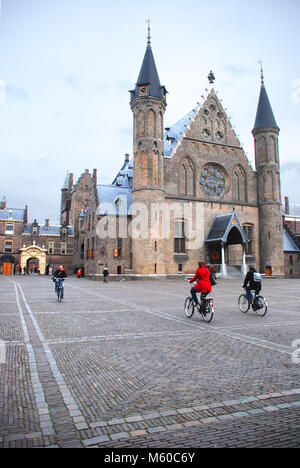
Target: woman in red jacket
[(203, 283)]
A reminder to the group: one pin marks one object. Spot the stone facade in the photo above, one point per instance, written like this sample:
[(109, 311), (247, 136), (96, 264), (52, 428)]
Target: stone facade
[(31, 247), (197, 165)]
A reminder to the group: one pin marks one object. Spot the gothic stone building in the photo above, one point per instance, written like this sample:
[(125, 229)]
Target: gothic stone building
[(198, 164), (31, 247)]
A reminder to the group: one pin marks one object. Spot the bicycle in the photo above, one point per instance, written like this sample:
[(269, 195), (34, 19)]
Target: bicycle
[(205, 308), (259, 304)]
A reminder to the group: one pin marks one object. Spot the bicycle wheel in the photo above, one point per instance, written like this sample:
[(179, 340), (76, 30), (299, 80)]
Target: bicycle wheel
[(261, 306), (59, 294), (207, 311), (189, 307), (243, 303)]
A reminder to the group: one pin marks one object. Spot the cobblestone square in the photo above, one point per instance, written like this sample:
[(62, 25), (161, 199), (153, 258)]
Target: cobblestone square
[(119, 365)]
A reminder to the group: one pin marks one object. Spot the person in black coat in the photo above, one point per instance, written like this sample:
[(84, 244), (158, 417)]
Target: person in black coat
[(251, 284), (105, 275), (60, 274)]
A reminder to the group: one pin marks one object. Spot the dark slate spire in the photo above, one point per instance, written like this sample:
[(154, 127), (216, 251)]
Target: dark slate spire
[(264, 115), (148, 83)]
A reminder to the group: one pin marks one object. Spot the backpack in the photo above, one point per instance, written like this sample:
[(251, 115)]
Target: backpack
[(256, 277), (212, 279)]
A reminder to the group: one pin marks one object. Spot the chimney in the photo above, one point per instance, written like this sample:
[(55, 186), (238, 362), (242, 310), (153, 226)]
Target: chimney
[(287, 205), (95, 175), (3, 203), (70, 182), (47, 223), (126, 157), (26, 214)]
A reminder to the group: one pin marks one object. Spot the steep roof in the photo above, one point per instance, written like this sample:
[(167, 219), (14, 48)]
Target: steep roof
[(114, 200), (148, 76), (264, 114), (12, 214), (188, 126), (173, 134), (124, 177), (222, 226), (288, 243), (51, 230)]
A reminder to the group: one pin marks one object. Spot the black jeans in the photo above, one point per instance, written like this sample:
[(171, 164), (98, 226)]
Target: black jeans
[(194, 295)]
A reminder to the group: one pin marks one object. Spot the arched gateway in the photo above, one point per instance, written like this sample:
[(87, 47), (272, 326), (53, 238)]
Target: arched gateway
[(34, 251)]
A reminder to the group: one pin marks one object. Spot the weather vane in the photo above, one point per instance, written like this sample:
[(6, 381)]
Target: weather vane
[(149, 32), (261, 71), (211, 77)]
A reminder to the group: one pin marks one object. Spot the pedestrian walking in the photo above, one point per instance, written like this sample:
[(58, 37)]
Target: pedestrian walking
[(105, 275)]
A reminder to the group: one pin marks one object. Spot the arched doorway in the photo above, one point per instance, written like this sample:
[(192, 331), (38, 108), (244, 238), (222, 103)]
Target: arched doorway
[(33, 265), (7, 265), (33, 256)]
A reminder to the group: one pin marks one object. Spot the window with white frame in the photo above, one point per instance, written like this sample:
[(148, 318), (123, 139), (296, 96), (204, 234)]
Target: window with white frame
[(9, 228), (51, 248), (63, 248), (8, 247), (179, 237)]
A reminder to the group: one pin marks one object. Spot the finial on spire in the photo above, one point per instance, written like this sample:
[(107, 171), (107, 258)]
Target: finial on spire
[(261, 72), (149, 31), (211, 77)]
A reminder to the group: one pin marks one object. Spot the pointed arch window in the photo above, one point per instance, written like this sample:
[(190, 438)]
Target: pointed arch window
[(249, 233), (151, 124), (186, 177), (239, 185), (140, 124), (263, 150)]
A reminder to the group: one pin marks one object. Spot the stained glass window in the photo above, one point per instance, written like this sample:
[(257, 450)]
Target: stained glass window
[(212, 181)]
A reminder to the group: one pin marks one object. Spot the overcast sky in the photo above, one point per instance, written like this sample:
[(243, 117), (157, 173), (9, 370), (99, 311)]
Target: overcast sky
[(66, 67)]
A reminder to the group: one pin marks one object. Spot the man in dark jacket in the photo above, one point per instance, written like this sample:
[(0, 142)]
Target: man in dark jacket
[(60, 274), (251, 284)]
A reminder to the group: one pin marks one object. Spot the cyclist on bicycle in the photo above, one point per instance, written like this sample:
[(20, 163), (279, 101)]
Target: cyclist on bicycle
[(203, 283), (60, 274), (251, 284)]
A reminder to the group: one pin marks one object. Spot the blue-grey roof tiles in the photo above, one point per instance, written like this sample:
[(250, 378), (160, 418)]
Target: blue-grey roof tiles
[(12, 214), (288, 243), (264, 115), (110, 195), (173, 134)]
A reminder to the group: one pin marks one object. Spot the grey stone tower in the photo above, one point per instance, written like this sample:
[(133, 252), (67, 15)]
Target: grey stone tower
[(265, 133), (148, 104)]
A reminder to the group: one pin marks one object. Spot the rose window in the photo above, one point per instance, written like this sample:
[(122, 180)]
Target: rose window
[(212, 181)]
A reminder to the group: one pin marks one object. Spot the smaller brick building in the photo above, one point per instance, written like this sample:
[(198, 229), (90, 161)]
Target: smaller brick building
[(291, 240), (31, 247)]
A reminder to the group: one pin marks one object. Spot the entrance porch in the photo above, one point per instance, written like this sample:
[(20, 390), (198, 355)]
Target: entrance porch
[(226, 245)]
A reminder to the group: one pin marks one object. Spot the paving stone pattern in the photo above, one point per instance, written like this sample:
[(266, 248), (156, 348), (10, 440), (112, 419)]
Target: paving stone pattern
[(120, 366)]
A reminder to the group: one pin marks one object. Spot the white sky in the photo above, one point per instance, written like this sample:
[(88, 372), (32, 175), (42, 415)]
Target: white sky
[(66, 67)]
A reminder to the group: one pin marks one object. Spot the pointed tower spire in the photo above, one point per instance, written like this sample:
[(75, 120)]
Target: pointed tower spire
[(264, 114), (265, 135), (148, 83)]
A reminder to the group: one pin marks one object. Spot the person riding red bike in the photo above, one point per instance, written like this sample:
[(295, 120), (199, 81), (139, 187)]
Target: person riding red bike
[(203, 283)]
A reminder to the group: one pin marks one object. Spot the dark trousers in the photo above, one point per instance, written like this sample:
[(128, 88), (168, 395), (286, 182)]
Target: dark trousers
[(194, 295), (249, 293)]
